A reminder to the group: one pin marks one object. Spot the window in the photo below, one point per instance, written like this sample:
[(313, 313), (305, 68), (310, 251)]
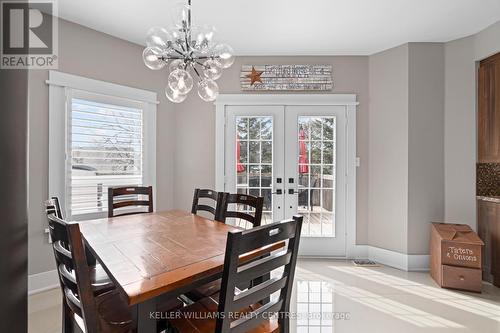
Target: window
[(98, 140), (105, 144)]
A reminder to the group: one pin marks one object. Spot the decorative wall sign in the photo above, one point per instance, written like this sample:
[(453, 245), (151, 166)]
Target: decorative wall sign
[(286, 77)]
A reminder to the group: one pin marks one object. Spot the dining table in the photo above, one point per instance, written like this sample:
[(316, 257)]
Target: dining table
[(159, 255)]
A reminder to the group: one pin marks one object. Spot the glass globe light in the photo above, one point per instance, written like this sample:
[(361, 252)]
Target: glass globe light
[(181, 81), (197, 38), (152, 58), (209, 32), (208, 90), (224, 55), (212, 69), (176, 64), (179, 14), (174, 96), (159, 37), (204, 37), (177, 35)]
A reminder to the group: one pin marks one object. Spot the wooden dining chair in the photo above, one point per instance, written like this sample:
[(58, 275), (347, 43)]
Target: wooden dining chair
[(214, 196), (243, 201), (125, 198), (83, 309), (224, 213), (241, 311), (98, 276), (57, 207)]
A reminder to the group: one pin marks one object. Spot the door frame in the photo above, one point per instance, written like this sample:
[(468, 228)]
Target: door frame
[(347, 100)]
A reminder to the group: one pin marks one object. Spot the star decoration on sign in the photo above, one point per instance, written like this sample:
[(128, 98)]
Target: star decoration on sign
[(254, 76)]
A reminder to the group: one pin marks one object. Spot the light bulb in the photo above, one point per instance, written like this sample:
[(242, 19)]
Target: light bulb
[(224, 55), (179, 14), (212, 69), (202, 38), (159, 37), (152, 58), (181, 81), (208, 90), (174, 95)]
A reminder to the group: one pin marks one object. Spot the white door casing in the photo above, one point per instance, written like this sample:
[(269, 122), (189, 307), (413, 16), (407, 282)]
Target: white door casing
[(285, 110)]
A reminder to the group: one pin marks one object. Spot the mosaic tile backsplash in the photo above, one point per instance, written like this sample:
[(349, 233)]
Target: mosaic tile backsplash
[(488, 179)]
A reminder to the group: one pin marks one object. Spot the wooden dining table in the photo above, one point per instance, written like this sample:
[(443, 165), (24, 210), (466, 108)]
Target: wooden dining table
[(160, 255)]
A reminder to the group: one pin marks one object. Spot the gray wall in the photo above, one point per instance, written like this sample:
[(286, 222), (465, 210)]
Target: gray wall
[(406, 142), (92, 54), (461, 57), (401, 87), (388, 149), (184, 137), (425, 142), (195, 128)]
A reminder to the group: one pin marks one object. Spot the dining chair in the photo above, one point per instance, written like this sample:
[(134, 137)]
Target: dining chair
[(243, 201), (211, 195), (240, 311), (256, 203), (57, 207), (125, 196), (83, 310), (99, 278)]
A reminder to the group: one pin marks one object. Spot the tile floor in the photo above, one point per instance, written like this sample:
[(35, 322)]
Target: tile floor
[(335, 296)]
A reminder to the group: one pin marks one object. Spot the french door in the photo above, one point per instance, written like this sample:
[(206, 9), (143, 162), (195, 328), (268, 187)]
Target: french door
[(294, 157)]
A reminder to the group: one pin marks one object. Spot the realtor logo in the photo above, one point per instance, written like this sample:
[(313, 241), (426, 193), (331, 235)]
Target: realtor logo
[(29, 35)]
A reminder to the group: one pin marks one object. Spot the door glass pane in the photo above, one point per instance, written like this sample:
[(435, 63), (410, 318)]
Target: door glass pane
[(254, 158), (316, 175)]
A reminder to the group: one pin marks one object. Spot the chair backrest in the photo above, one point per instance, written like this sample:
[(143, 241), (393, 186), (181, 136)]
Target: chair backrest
[(72, 268), (215, 196), (235, 273), (127, 197), (57, 207), (242, 202)]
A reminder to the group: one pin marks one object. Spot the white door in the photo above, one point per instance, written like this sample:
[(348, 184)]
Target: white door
[(294, 157), (315, 169), (254, 156)]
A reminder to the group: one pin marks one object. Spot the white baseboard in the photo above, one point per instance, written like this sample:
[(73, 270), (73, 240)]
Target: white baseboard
[(418, 262), (42, 281), (403, 261)]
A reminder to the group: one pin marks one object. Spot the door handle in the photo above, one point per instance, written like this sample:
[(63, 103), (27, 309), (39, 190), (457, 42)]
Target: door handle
[(292, 191), (278, 192)]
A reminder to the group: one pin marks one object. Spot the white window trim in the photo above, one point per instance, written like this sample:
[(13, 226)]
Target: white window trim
[(60, 87), (347, 100)]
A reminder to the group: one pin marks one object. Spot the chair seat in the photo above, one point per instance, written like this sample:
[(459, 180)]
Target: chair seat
[(204, 316), (204, 291), (100, 280), (114, 314)]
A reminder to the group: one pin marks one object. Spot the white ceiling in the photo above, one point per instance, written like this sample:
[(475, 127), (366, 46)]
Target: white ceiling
[(296, 27)]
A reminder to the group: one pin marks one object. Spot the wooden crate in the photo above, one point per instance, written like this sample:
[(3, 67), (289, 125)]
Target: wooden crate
[(456, 256)]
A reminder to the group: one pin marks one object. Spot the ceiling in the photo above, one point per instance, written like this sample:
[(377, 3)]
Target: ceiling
[(296, 27)]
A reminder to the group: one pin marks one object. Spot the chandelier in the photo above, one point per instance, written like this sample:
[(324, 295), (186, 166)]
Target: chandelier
[(186, 50)]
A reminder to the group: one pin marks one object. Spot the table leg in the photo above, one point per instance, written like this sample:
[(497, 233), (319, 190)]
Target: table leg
[(145, 316)]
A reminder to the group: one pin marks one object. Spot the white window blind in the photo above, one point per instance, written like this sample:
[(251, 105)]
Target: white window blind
[(105, 144)]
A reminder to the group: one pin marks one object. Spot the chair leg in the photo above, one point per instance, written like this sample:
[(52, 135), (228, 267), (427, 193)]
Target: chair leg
[(67, 321)]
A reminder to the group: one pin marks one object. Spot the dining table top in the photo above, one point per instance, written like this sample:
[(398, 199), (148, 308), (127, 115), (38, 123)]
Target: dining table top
[(150, 254)]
